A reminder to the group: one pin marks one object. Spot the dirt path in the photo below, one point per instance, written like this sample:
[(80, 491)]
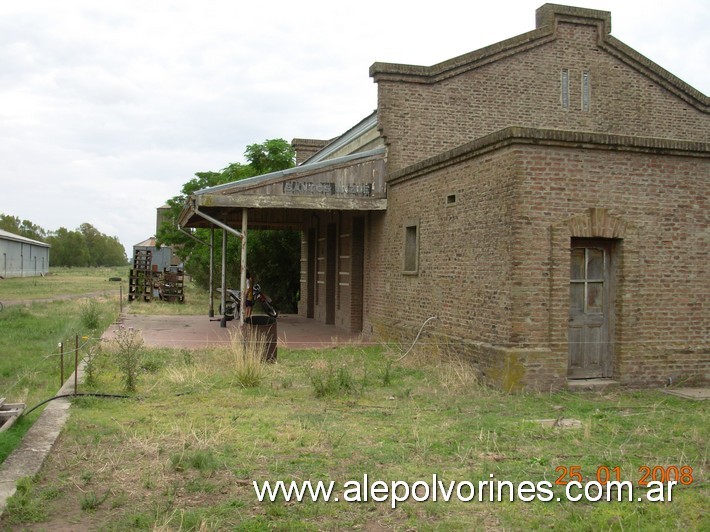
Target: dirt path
[(26, 302)]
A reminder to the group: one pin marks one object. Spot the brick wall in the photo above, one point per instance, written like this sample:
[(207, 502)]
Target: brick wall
[(464, 250), (423, 111), (656, 206), (494, 264), (492, 160), (307, 147)]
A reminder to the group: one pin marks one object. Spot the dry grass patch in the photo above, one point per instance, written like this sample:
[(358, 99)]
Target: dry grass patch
[(183, 452)]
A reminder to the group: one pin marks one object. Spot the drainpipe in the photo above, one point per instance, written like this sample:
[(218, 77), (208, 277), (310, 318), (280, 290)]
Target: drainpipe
[(216, 222), (242, 235)]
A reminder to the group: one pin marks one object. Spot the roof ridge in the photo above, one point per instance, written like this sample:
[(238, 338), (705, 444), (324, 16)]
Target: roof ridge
[(547, 17)]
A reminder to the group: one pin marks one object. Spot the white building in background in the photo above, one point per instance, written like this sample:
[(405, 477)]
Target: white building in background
[(21, 256)]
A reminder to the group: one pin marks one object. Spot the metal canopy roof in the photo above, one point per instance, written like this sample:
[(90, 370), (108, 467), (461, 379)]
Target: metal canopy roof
[(353, 182)]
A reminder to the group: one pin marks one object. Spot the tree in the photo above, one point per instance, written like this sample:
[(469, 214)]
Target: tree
[(94, 243), (86, 246), (68, 248), (273, 256), (270, 156), (194, 255), (13, 224), (114, 252)]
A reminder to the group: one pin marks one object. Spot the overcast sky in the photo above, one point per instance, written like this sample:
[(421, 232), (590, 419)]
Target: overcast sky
[(108, 108)]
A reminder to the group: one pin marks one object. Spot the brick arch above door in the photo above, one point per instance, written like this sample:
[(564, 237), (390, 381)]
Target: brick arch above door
[(596, 223)]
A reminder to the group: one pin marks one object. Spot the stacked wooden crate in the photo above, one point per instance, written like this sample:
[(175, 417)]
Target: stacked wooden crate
[(140, 278), (172, 285)]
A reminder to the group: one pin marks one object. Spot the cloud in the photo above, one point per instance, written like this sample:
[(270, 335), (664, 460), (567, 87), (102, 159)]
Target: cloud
[(109, 107)]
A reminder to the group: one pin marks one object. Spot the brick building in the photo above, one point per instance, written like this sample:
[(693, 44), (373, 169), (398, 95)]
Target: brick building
[(546, 198)]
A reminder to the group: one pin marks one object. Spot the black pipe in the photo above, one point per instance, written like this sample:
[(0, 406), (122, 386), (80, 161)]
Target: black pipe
[(89, 394)]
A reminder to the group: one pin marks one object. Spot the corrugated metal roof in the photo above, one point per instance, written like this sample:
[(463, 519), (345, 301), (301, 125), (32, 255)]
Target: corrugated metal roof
[(357, 130), (290, 172), (147, 243), (5, 235)]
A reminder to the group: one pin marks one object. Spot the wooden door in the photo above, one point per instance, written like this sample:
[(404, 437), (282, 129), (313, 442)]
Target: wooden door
[(590, 309)]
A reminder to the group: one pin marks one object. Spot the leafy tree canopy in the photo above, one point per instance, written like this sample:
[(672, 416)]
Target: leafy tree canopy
[(270, 156)]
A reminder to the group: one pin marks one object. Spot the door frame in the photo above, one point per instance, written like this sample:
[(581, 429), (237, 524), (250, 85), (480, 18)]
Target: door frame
[(611, 249)]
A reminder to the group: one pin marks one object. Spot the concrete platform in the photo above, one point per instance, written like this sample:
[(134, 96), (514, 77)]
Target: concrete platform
[(27, 459), (194, 332)]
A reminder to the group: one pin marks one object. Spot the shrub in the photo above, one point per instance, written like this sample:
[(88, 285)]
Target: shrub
[(90, 315), (128, 355)]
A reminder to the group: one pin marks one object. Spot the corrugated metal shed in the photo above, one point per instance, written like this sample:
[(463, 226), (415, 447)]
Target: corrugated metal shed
[(161, 256), (21, 256)]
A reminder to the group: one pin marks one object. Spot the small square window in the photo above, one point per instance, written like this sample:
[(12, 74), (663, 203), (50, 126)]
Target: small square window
[(411, 248), (451, 199)]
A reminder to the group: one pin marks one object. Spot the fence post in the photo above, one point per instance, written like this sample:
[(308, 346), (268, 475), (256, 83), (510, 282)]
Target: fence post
[(76, 362), (61, 364)]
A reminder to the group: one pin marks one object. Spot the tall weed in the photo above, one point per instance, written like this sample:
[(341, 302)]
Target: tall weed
[(90, 315), (128, 355), (331, 381), (248, 357), (91, 368)]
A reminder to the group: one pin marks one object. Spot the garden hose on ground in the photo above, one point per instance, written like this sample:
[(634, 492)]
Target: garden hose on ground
[(417, 337), (78, 394)]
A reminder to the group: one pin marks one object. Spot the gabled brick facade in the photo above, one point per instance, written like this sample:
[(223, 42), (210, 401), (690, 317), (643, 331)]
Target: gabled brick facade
[(503, 160), (424, 111)]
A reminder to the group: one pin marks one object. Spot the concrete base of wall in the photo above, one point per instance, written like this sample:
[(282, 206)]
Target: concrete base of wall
[(592, 385)]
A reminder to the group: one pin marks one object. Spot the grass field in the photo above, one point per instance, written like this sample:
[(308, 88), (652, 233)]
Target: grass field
[(183, 451), (30, 334), (39, 313), (62, 282)]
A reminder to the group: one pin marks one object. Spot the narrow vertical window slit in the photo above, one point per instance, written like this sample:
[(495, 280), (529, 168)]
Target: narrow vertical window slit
[(565, 88)]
